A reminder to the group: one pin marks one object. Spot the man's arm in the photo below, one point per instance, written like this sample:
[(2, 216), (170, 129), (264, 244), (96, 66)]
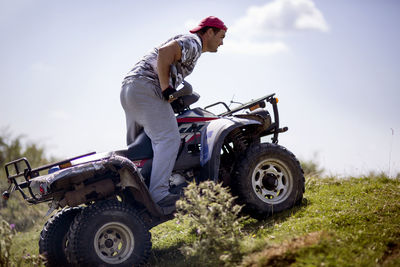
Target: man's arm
[(167, 54)]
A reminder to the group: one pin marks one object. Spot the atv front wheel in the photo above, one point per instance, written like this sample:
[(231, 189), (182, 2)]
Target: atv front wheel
[(268, 179), (108, 233), (53, 237)]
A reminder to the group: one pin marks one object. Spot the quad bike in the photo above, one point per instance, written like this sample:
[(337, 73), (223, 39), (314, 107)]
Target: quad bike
[(106, 210)]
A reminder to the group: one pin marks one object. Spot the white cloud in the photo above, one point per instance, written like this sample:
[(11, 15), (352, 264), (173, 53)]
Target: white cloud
[(260, 30), (190, 24), (254, 48), (279, 17)]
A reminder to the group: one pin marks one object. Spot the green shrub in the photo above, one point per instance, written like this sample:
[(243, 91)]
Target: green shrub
[(213, 216), (311, 168), (22, 215), (6, 234)]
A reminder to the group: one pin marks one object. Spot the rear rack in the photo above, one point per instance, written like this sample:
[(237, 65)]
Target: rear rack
[(22, 168)]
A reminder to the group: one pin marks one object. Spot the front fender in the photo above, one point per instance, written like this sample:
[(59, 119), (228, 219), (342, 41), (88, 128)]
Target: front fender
[(212, 139)]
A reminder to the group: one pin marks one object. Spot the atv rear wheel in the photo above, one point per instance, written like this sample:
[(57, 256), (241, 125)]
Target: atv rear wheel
[(108, 233), (53, 237), (268, 179)]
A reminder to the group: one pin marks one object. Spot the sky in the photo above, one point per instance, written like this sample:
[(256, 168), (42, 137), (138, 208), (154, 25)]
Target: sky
[(334, 66)]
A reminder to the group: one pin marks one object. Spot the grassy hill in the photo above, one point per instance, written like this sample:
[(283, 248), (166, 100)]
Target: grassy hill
[(341, 222)]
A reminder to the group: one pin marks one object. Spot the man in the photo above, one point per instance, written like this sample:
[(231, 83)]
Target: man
[(145, 98)]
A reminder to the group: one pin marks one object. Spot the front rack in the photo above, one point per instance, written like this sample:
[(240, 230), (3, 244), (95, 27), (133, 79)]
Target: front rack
[(273, 128), (268, 98)]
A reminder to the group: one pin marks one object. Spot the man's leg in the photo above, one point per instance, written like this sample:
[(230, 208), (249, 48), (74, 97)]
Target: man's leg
[(127, 97), (159, 122)]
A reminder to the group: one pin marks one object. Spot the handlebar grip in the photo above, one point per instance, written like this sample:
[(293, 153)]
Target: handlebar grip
[(186, 90)]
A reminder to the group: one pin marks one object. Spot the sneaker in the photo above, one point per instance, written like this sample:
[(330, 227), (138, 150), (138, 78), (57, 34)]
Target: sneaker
[(168, 201)]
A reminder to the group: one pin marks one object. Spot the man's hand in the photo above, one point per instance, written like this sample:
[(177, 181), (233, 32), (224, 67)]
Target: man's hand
[(167, 94)]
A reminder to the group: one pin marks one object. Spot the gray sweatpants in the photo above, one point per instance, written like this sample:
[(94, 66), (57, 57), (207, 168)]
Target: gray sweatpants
[(144, 108)]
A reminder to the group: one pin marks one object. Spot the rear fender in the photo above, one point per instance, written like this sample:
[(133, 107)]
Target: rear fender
[(130, 178), (212, 139), (75, 179)]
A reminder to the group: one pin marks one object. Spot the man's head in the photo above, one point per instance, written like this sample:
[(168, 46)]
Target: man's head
[(212, 32)]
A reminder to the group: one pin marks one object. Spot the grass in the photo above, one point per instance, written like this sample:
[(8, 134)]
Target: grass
[(25, 243), (341, 222), (346, 222), (357, 222)]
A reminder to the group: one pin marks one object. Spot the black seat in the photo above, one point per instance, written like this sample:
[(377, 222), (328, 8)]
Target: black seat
[(141, 148)]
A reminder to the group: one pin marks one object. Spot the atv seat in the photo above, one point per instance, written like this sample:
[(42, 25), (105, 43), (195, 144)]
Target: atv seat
[(141, 148)]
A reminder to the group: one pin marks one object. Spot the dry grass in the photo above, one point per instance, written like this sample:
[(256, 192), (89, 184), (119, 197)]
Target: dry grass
[(283, 254)]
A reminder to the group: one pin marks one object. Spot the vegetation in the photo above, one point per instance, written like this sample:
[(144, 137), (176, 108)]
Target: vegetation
[(211, 212), (311, 168), (7, 258), (6, 234)]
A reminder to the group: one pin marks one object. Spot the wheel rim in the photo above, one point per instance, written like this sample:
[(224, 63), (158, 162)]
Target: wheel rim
[(272, 181), (114, 243)]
